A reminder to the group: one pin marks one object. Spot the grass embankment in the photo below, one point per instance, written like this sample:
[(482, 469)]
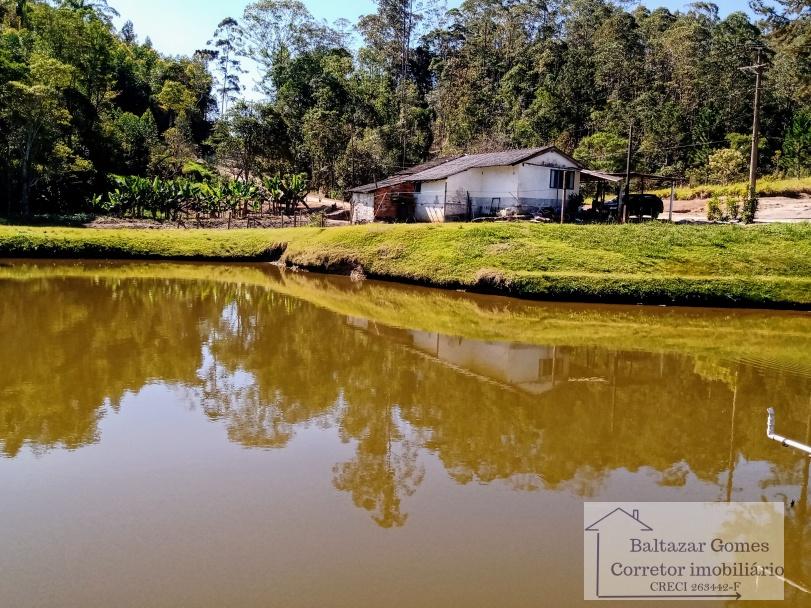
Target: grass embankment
[(778, 339), (652, 263), (766, 187)]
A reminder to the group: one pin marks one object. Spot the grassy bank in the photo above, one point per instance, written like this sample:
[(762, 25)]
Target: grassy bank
[(791, 187), (652, 263)]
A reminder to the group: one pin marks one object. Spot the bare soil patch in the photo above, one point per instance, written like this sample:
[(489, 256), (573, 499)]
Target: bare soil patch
[(771, 209)]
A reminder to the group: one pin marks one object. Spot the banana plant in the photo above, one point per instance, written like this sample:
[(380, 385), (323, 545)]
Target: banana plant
[(287, 191), (135, 196)]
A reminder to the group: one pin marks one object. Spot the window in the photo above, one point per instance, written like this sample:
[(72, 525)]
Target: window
[(556, 179), (418, 187)]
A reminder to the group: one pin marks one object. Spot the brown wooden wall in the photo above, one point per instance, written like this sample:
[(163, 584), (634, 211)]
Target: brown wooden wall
[(394, 203)]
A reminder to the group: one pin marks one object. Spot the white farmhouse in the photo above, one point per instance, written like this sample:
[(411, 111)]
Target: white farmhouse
[(530, 180)]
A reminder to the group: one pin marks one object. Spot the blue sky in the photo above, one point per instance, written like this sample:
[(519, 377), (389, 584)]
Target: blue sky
[(182, 26)]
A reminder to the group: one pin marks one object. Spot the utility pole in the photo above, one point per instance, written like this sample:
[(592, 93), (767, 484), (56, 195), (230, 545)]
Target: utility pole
[(627, 190), (757, 69)]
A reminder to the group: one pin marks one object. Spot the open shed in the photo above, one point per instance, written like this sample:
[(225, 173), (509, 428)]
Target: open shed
[(615, 183)]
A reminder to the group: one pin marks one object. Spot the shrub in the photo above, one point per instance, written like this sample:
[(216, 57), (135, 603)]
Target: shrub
[(750, 205), (714, 212), (733, 206), (165, 199), (726, 165), (317, 220)]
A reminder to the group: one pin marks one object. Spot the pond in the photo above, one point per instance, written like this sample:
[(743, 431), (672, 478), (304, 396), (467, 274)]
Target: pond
[(210, 435)]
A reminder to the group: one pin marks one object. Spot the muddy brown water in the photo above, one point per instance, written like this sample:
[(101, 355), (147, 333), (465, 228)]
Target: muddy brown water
[(192, 435)]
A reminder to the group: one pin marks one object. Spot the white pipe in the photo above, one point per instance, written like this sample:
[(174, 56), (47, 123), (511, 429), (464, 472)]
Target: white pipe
[(779, 438)]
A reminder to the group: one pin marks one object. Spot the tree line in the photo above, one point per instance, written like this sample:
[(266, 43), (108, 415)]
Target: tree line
[(83, 103)]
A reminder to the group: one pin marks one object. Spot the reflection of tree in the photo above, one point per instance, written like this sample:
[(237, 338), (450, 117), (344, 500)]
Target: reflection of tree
[(265, 365), (71, 345), (250, 420), (384, 469)]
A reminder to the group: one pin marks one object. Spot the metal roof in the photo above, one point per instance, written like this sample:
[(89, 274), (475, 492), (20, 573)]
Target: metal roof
[(399, 178), (480, 161), (391, 181), (428, 165)]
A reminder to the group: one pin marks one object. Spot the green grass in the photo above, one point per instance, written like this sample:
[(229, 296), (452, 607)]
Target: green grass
[(766, 187), (652, 263), (61, 242)]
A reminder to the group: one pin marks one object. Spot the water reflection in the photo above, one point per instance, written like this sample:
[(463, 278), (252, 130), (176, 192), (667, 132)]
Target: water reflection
[(571, 416)]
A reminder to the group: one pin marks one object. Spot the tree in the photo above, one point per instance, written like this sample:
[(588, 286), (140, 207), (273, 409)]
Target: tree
[(789, 26), (227, 42), (99, 8), (602, 151), (128, 32), (36, 115), (251, 139), (389, 34), (136, 137), (175, 98), (796, 157), (279, 29), (418, 82)]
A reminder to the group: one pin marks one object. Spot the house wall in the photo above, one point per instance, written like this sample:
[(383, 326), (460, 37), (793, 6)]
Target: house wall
[(363, 207), (430, 202), (534, 178), (495, 189), (485, 191)]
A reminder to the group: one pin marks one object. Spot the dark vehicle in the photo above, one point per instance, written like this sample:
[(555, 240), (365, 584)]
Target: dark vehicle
[(638, 205)]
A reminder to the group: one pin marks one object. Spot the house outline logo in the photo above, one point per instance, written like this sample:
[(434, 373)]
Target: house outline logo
[(634, 515)]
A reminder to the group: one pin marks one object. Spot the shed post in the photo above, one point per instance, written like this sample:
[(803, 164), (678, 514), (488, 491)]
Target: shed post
[(563, 199)]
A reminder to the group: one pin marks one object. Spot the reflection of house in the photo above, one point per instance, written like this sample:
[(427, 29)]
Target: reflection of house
[(535, 369), (527, 180)]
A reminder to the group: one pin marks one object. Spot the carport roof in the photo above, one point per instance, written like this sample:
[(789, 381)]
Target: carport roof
[(618, 177)]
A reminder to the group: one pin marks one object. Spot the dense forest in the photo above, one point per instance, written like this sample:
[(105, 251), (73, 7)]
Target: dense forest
[(84, 104)]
